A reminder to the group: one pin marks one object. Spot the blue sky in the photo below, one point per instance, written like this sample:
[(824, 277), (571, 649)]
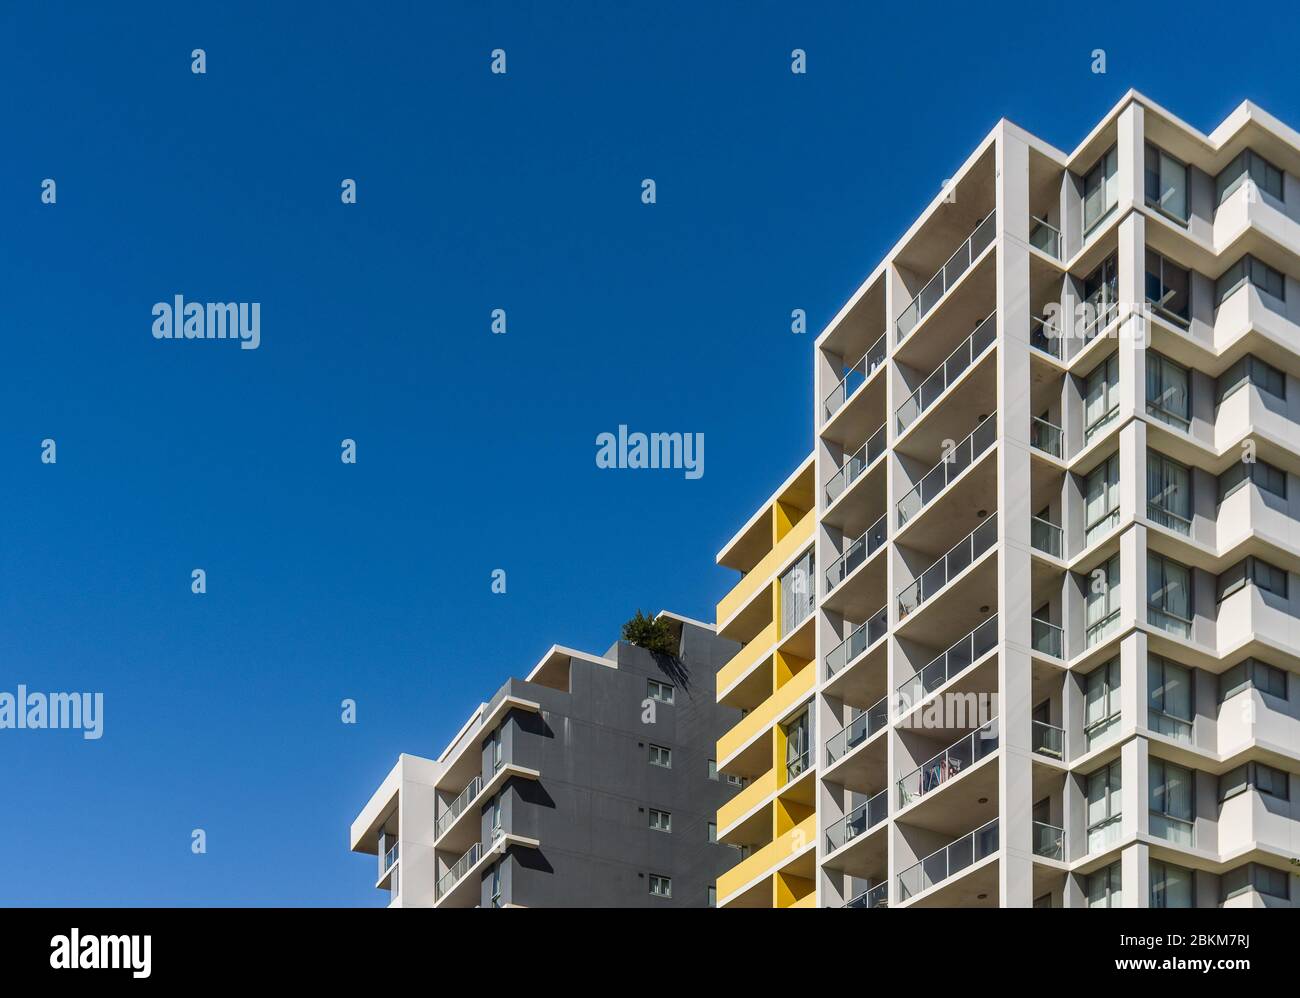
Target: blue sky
[(475, 452)]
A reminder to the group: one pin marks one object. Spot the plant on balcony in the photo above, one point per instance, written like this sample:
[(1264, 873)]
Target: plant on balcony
[(655, 636)]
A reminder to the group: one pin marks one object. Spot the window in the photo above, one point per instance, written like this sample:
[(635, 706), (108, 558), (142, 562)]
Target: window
[(495, 749), (495, 894), (797, 594), (1100, 297), (1263, 474), (1100, 190), (1168, 391), (1267, 177), (797, 745), (1171, 886), (713, 896), (660, 756), (1255, 776), (1169, 495), (1166, 183), (713, 769), (1169, 698), (735, 781), (1248, 270), (713, 832), (1101, 601), (1250, 370), (659, 691), (1252, 876), (1253, 674), (1170, 797), (1104, 807), (1101, 396), (661, 821), (1101, 705), (496, 816), (1169, 595), (661, 887), (1104, 888), (1101, 500), (1169, 288), (1252, 571)]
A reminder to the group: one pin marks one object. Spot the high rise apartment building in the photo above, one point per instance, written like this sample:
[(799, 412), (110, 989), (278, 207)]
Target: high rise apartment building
[(1024, 628), (589, 784)]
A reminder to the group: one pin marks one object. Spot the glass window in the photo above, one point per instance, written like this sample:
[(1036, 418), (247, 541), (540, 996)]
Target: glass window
[(1104, 807), (1275, 883), (713, 769), (1253, 674), (1169, 288), (1169, 595), (1252, 571), (713, 832), (659, 691), (661, 886), (1100, 297), (495, 749), (1249, 270), (797, 594), (1267, 177), (1274, 782), (1101, 705), (1168, 391), (1101, 601), (1100, 190), (1170, 798), (1233, 782), (1169, 689), (1250, 370), (1103, 888), (1261, 473), (713, 896), (797, 746), (1171, 886), (1101, 396), (1169, 495), (1101, 499), (660, 756), (661, 821), (1166, 183), (495, 823), (496, 886)]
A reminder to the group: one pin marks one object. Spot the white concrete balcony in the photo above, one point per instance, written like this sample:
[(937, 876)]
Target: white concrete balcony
[(1250, 821), (1252, 615), (962, 873)]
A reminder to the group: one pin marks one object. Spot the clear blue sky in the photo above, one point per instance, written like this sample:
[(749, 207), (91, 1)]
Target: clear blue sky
[(475, 452)]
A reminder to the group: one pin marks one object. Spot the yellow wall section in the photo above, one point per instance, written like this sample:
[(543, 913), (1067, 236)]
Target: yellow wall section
[(798, 538)]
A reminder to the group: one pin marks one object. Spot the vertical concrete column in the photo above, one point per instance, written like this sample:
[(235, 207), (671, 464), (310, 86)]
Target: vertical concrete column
[(1129, 150), (1015, 598), (1135, 875), (1132, 576), (1134, 778), (1133, 681), (1133, 329)]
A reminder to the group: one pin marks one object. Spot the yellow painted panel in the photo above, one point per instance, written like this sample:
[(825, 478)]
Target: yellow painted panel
[(809, 900), (762, 716), (752, 584), (745, 659), (769, 858), (744, 801)]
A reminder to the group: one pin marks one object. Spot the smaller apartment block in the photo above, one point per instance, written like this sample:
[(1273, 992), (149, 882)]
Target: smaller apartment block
[(592, 783)]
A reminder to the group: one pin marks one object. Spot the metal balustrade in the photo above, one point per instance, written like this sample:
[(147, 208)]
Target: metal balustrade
[(857, 463), (857, 552), (855, 376), (957, 362), (934, 481), (959, 557), (859, 640), (939, 285), (947, 862)]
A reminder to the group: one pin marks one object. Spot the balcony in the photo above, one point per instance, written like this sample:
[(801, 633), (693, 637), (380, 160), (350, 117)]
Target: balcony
[(1045, 237), (858, 552), (1046, 638), (960, 557), (457, 807), (767, 860), (1046, 536), (1049, 841), (942, 474), (1046, 437), (462, 866), (855, 377), (874, 897), (861, 459), (1045, 336), (753, 591), (1047, 740), (863, 725), (957, 659), (949, 861), (1169, 519), (1100, 309), (761, 718), (939, 285), (859, 640), (857, 822), (958, 757), (938, 381)]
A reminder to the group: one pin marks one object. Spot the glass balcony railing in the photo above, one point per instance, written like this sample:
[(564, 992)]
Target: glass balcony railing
[(1166, 621), (958, 460), (457, 807), (860, 820), (875, 897), (945, 569), (1049, 841), (964, 653), (1047, 739), (796, 767), (1101, 629), (855, 376), (859, 640), (1168, 518), (1100, 309), (1105, 833), (1175, 830), (861, 459), (391, 857), (1046, 536), (1045, 436), (1046, 638), (1045, 336), (937, 382), (949, 861), (1045, 237), (449, 879), (951, 762), (862, 726), (947, 276), (857, 552), (1178, 728)]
